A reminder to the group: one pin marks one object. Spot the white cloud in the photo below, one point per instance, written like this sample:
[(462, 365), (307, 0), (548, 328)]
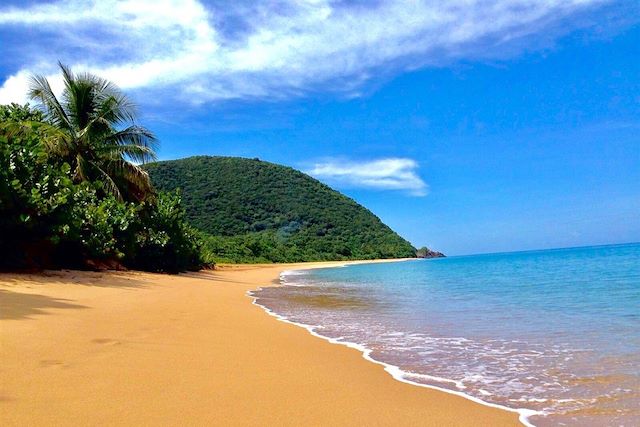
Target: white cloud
[(267, 49), (380, 174), (15, 88)]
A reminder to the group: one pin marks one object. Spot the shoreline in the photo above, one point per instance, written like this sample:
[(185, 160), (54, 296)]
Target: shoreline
[(140, 348), (394, 371)]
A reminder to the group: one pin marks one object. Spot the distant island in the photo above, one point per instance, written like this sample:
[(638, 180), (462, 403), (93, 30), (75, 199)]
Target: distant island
[(425, 252)]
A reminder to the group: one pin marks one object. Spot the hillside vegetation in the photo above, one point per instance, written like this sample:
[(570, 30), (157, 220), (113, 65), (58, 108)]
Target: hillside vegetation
[(255, 211)]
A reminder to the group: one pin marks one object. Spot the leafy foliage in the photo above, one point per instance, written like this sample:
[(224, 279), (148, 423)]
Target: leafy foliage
[(34, 190), (255, 211), (93, 129), (164, 240), (49, 220)]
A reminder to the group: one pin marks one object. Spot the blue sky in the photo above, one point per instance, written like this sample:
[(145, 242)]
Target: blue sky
[(468, 126)]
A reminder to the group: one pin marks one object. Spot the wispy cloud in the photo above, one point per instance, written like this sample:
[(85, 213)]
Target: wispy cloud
[(381, 174), (246, 49)]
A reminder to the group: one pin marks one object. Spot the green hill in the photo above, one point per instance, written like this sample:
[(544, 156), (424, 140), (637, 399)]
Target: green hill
[(255, 211)]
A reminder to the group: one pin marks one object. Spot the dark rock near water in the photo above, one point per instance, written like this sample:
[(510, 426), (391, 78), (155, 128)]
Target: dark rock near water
[(425, 252)]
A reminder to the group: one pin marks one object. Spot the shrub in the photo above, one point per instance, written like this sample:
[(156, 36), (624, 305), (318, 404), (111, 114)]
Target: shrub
[(164, 240), (35, 192)]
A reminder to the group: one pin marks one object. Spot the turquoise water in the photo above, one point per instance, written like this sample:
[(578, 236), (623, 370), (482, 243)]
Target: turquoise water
[(554, 331)]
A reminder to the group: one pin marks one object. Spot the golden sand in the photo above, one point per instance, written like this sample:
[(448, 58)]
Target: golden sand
[(129, 348)]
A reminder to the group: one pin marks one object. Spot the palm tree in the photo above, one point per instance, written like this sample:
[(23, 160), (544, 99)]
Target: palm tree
[(94, 130)]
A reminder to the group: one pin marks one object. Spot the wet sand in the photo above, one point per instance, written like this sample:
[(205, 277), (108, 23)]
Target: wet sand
[(130, 348)]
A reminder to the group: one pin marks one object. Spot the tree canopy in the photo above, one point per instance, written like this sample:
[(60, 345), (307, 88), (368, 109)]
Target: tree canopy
[(93, 129)]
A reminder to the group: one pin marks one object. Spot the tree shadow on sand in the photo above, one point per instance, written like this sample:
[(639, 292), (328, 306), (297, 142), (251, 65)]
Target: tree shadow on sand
[(15, 305), (216, 277), (109, 279)]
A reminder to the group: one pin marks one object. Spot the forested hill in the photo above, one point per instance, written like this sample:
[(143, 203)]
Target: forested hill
[(260, 211)]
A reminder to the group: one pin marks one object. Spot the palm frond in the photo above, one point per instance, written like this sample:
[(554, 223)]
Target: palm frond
[(111, 103), (117, 107), (108, 115), (135, 153), (135, 135), (136, 178), (55, 140), (11, 129), (80, 97), (67, 74), (82, 170), (110, 186), (40, 90), (97, 133)]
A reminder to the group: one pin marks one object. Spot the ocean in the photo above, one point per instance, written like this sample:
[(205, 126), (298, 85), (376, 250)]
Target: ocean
[(552, 334)]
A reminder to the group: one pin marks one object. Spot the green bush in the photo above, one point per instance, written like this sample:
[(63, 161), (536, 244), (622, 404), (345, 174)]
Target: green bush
[(35, 192), (164, 240), (98, 228), (47, 220)]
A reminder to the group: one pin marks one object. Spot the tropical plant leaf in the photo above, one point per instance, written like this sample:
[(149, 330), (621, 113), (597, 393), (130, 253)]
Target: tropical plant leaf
[(95, 131)]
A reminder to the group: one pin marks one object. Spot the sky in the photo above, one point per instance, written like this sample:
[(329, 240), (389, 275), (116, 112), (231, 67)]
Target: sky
[(469, 126)]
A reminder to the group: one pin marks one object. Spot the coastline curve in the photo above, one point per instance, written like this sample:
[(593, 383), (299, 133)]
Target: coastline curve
[(396, 373)]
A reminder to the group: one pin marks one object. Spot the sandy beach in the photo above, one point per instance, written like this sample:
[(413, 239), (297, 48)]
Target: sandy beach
[(131, 348)]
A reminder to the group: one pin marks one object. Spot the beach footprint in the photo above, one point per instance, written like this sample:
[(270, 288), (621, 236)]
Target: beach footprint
[(106, 341), (49, 363)]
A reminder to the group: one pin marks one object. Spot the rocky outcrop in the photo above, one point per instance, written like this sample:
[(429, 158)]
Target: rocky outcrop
[(425, 252)]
